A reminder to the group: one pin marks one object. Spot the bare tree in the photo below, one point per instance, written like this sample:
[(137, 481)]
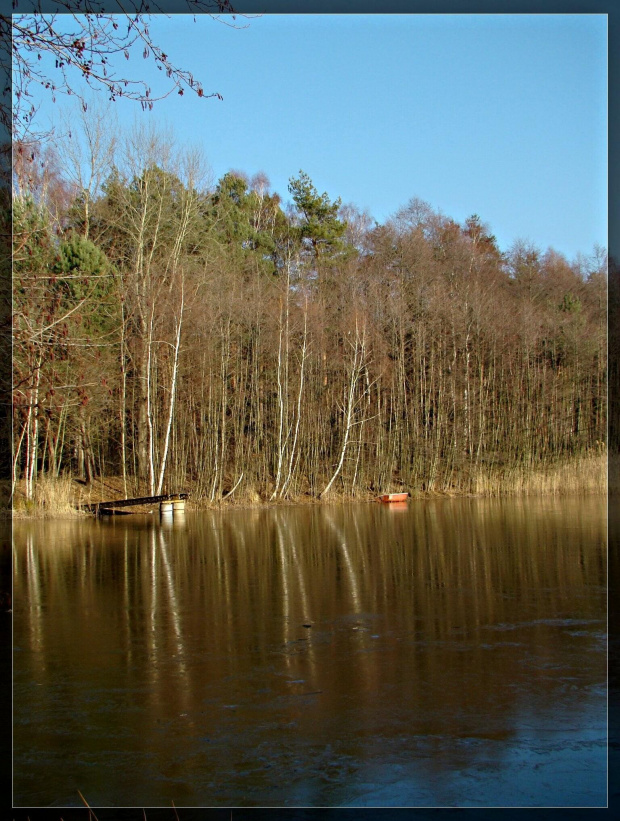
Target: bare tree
[(356, 368), (86, 147)]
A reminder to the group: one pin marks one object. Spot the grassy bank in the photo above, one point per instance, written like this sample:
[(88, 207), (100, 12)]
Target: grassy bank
[(64, 496)]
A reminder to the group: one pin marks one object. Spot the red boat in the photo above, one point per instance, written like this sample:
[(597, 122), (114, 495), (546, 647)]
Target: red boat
[(394, 497)]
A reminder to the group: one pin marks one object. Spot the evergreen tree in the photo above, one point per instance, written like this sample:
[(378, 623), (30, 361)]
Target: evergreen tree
[(319, 225), (249, 222)]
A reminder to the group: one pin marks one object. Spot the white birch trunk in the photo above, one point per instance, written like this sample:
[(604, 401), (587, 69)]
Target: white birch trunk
[(173, 384), (298, 416), (358, 358), (149, 410)]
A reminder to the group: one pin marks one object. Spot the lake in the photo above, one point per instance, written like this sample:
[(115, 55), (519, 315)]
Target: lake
[(444, 653)]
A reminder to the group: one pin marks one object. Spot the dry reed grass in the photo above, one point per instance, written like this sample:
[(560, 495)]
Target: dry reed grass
[(53, 496), (586, 474)]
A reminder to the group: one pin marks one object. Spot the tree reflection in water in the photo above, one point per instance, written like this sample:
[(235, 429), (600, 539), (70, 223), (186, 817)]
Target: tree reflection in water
[(450, 654)]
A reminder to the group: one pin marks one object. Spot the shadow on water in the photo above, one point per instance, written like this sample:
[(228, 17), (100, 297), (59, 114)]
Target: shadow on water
[(452, 653)]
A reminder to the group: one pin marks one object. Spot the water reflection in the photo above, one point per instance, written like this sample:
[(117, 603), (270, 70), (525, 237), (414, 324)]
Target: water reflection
[(314, 656)]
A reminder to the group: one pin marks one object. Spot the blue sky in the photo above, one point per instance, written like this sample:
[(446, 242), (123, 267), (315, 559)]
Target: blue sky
[(500, 115)]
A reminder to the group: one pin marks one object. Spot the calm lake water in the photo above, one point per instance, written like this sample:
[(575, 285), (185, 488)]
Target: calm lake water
[(444, 653)]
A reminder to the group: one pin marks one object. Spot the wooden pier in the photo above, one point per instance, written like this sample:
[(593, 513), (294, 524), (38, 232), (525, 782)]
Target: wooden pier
[(100, 508)]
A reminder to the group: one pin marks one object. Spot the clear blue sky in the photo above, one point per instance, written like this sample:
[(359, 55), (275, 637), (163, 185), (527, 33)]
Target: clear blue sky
[(500, 115)]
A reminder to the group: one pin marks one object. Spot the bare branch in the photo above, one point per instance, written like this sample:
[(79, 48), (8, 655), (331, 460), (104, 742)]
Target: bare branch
[(76, 49)]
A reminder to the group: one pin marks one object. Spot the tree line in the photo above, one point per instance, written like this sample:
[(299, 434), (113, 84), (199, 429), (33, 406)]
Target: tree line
[(182, 333)]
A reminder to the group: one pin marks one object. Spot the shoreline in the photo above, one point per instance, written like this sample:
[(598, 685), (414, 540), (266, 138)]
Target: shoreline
[(60, 498)]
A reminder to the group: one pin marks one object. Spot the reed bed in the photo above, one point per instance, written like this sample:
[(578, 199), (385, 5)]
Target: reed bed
[(586, 474), (53, 496)]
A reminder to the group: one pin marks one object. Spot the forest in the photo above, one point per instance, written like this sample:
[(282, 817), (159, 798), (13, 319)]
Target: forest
[(181, 333)]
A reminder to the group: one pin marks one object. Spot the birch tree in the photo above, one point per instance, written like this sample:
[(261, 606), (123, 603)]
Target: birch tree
[(356, 366)]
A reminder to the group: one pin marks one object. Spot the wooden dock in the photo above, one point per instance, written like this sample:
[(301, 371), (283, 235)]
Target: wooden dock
[(102, 507)]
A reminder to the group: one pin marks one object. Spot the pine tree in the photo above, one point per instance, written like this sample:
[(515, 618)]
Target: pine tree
[(319, 224)]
